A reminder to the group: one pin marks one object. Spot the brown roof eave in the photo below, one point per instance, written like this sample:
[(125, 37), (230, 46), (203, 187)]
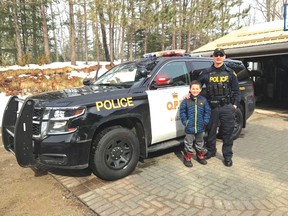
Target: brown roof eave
[(251, 51)]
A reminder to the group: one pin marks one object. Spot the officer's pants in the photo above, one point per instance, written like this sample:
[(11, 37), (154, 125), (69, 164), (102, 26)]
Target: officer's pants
[(226, 115)]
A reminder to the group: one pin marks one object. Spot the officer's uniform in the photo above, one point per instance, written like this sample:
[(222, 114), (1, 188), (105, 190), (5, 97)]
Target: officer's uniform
[(223, 92)]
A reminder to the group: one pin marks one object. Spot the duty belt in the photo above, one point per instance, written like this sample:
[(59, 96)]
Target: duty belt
[(220, 101)]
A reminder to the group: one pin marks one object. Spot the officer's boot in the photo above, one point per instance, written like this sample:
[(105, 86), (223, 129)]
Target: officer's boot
[(187, 159), (200, 158)]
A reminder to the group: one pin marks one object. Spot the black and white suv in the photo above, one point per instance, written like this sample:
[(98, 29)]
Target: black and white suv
[(107, 125)]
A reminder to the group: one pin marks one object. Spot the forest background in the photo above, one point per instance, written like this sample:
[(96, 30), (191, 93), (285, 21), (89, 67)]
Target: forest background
[(41, 32), (45, 31)]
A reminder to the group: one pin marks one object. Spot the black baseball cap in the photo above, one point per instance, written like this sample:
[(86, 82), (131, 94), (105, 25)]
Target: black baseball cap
[(217, 51)]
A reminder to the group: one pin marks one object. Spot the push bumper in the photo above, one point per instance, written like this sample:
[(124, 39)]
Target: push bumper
[(64, 150), (17, 130)]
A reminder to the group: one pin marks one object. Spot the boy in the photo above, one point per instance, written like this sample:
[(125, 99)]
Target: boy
[(195, 114)]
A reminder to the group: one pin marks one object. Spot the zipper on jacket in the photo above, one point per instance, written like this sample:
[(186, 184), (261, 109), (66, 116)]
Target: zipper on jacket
[(196, 113)]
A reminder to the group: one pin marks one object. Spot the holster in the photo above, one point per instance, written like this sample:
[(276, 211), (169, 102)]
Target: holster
[(214, 103)]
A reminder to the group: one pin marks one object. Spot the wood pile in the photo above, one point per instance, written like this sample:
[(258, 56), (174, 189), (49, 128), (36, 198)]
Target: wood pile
[(34, 81)]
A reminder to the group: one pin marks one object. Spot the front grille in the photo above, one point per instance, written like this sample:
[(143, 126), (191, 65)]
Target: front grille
[(36, 129), (37, 117), (37, 114)]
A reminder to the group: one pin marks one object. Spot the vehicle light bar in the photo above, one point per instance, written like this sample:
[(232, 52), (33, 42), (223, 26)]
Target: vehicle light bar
[(165, 53)]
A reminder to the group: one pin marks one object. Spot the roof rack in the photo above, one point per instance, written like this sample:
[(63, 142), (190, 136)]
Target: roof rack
[(165, 53)]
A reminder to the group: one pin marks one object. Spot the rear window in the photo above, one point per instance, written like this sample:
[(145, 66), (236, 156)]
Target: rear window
[(197, 65)]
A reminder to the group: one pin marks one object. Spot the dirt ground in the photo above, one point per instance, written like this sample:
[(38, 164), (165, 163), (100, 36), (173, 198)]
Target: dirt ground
[(24, 192)]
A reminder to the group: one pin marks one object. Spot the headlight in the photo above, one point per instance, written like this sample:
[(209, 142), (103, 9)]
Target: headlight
[(62, 113), (59, 114), (56, 120)]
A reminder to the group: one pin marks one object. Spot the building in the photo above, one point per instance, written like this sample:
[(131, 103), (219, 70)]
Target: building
[(264, 49)]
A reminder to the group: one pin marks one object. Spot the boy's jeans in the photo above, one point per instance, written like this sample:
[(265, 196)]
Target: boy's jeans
[(199, 143)]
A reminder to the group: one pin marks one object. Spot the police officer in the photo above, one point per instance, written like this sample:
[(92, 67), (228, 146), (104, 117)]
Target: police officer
[(223, 94)]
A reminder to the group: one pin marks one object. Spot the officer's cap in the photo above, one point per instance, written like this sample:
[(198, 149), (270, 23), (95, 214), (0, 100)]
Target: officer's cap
[(218, 51)]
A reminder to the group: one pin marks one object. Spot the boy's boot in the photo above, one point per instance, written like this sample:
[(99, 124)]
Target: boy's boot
[(200, 158), (187, 159)]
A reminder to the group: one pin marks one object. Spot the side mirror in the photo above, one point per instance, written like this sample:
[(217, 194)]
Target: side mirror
[(143, 72), (87, 82)]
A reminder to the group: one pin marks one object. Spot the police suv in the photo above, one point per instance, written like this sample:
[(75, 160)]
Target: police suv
[(107, 125)]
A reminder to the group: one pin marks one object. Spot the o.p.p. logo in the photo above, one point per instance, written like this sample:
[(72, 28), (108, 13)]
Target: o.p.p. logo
[(174, 104)]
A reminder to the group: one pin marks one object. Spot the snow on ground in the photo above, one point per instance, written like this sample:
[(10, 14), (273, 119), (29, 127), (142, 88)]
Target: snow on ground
[(79, 64), (4, 99)]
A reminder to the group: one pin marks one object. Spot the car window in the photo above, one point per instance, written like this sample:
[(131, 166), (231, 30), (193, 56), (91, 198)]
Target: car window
[(172, 74), (123, 75), (197, 65)]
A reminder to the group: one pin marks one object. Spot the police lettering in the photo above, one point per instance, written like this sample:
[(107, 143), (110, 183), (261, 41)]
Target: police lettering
[(173, 105), (218, 79), (114, 104)]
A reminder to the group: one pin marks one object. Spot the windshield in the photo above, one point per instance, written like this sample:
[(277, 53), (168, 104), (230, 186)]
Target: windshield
[(124, 75)]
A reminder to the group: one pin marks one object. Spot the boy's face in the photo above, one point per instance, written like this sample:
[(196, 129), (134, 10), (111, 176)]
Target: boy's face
[(195, 90)]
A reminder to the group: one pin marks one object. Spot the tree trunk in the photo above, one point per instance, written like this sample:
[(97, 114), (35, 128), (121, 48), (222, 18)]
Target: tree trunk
[(72, 33), (118, 42), (268, 12), (45, 33), (96, 38), (24, 31), (179, 28), (104, 39), (173, 45), (145, 40), (123, 23), (85, 34), (54, 32), (111, 42), (122, 43), (35, 29), (17, 33), (162, 36), (62, 37), (190, 24), (111, 30)]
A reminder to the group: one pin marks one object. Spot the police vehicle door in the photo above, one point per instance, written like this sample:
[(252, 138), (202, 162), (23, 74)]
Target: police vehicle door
[(166, 93)]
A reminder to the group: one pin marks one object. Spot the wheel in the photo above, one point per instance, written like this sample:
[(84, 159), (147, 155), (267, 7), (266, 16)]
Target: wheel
[(238, 123), (115, 153)]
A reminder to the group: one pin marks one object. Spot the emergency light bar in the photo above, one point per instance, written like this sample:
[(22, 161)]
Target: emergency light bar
[(165, 53)]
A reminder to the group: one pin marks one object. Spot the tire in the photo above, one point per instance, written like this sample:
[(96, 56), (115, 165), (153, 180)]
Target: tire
[(238, 123), (115, 153)]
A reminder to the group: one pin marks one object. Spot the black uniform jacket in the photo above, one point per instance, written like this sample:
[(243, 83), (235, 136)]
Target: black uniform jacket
[(204, 77)]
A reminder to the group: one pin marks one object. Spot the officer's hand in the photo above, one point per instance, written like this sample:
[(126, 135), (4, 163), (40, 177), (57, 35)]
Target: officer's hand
[(187, 96), (195, 74), (235, 106)]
